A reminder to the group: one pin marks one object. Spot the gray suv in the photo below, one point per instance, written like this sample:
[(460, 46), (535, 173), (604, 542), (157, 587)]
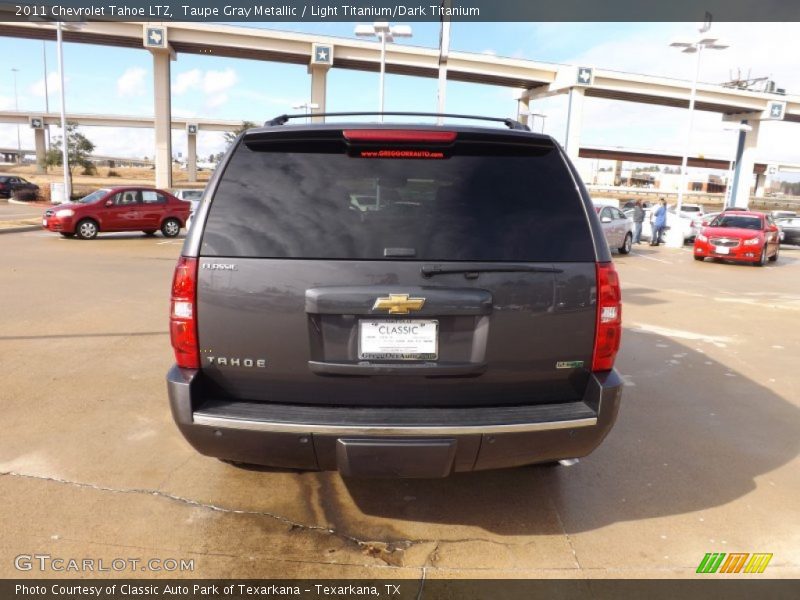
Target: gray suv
[(395, 301)]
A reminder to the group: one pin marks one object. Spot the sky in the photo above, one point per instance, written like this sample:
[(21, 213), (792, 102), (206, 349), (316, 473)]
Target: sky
[(119, 81)]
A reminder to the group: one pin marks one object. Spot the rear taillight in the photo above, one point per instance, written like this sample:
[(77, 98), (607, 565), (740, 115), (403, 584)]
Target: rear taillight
[(399, 135), (183, 314), (609, 318)]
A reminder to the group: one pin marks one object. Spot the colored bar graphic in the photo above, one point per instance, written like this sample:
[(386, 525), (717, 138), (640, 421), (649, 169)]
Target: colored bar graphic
[(734, 562), (758, 562), (710, 562)]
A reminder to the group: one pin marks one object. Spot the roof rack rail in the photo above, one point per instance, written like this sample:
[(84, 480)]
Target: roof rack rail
[(283, 119)]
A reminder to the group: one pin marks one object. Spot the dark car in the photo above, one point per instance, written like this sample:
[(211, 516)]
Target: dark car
[(469, 320), (632, 204), (17, 187), (119, 209), (790, 230), (740, 236)]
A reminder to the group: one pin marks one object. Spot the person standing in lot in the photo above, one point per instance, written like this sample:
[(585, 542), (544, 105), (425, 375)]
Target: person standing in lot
[(659, 222), (638, 219)]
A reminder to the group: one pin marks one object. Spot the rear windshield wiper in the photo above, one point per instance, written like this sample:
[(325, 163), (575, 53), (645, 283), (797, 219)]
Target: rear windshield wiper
[(472, 272)]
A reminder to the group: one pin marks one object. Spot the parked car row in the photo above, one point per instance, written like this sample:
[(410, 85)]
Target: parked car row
[(733, 234)]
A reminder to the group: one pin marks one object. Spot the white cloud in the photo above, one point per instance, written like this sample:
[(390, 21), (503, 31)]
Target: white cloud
[(187, 81), (213, 85), (132, 82), (6, 103), (218, 81), (178, 111), (53, 85), (216, 100)]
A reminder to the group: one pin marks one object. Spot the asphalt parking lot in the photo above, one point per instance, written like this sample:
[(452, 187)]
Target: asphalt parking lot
[(17, 212), (704, 457)]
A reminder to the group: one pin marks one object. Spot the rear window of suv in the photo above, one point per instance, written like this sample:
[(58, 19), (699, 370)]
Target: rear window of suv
[(483, 204)]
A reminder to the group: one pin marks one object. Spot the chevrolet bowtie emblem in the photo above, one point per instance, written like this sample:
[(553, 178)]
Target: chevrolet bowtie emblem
[(398, 304)]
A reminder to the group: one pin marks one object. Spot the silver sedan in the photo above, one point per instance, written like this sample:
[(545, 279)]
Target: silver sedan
[(617, 228)]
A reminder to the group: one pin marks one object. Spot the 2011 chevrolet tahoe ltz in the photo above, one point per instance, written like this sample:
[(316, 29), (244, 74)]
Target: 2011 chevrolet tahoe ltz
[(395, 300)]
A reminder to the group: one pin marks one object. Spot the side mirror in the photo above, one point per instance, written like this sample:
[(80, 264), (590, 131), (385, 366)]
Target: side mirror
[(109, 203), (605, 220)]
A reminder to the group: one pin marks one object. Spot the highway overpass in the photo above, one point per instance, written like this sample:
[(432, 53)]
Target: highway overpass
[(148, 122), (534, 79)]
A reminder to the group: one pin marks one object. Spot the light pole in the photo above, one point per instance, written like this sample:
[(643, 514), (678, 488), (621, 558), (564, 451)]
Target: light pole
[(46, 92), (16, 108), (542, 116), (696, 47), (60, 26), (385, 33), (307, 107)]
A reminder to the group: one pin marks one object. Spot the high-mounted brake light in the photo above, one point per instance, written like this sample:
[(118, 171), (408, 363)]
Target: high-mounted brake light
[(399, 135), (609, 318), (183, 315)]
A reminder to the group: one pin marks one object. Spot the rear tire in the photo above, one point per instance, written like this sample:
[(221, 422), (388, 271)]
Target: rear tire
[(700, 258), (86, 229), (626, 245), (171, 228)]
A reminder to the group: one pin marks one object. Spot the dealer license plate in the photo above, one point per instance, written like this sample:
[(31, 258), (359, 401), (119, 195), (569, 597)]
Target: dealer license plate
[(401, 339), (44, 222), (722, 250)]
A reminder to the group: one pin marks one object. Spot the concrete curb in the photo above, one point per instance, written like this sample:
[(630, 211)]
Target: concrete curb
[(24, 203), (20, 229)]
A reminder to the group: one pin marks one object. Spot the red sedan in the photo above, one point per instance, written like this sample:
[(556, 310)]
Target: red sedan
[(119, 209), (743, 236)]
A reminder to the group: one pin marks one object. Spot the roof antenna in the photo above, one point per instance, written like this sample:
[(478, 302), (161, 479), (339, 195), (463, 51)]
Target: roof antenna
[(706, 24)]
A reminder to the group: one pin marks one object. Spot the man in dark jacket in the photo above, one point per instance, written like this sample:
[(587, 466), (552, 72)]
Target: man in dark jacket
[(638, 219)]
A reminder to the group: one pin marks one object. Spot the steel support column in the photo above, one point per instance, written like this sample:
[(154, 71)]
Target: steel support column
[(572, 141), (41, 150), (191, 157), (745, 163), (163, 118), (319, 76)]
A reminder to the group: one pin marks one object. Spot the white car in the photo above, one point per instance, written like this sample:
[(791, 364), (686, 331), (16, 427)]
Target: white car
[(687, 225), (187, 195), (617, 227), (691, 211), (191, 196)]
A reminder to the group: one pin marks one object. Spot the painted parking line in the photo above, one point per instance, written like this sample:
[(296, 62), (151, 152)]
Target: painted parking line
[(661, 260)]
